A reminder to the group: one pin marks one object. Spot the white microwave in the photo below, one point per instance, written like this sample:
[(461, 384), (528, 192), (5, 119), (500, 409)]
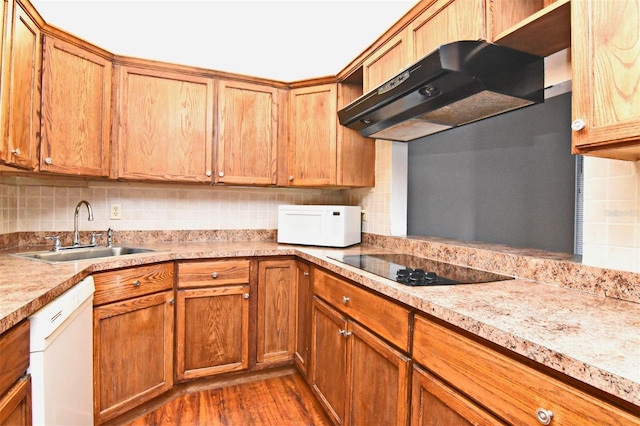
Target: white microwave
[(328, 226)]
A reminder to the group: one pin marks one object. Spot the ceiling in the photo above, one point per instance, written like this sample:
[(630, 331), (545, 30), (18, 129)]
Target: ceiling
[(286, 40)]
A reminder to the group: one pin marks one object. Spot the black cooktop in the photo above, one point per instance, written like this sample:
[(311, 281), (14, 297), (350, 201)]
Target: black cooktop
[(418, 271)]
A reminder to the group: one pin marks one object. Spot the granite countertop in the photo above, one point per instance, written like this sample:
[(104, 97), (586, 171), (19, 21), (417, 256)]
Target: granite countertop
[(591, 338)]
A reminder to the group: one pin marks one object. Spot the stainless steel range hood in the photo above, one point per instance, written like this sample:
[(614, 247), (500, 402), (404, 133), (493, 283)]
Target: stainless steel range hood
[(457, 84)]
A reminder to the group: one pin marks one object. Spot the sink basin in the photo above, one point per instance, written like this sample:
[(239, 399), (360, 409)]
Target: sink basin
[(74, 255)]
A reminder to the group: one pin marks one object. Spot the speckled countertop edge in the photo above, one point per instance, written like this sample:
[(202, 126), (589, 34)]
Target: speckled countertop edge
[(549, 324)]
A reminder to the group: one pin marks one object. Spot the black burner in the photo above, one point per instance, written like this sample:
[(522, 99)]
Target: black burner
[(417, 271), (418, 277)]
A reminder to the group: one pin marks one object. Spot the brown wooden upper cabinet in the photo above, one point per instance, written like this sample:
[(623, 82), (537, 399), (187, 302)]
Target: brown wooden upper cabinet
[(312, 135), (443, 22), (606, 96), (164, 127), (76, 110), (247, 149), (540, 27), (386, 62), (21, 64), (320, 151)]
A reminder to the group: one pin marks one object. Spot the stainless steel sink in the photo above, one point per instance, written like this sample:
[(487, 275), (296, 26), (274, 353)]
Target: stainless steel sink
[(74, 255)]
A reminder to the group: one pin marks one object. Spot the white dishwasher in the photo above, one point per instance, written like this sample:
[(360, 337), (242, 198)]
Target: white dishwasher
[(61, 362)]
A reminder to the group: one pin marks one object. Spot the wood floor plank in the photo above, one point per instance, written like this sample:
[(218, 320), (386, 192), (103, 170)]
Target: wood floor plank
[(277, 401)]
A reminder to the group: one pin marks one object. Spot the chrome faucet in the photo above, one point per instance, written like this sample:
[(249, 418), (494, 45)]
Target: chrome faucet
[(76, 234)]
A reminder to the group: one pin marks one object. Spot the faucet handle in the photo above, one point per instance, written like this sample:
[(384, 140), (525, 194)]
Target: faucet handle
[(56, 241), (109, 237), (93, 241)]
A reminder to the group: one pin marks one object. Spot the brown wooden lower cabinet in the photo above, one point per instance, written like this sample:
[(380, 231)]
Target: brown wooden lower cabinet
[(133, 318), (434, 403), (133, 352), (212, 331), (358, 377), (15, 405), (212, 317), (510, 389), (276, 320), (303, 317), (15, 385)]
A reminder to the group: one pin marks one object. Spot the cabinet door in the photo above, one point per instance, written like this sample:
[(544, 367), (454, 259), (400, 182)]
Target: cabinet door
[(212, 327), (443, 22), (133, 353), (303, 311), (247, 134), (312, 137), (15, 405), (76, 110), (165, 126), (434, 403), (21, 91), (386, 62), (356, 155), (329, 360), (606, 96), (379, 380), (276, 310)]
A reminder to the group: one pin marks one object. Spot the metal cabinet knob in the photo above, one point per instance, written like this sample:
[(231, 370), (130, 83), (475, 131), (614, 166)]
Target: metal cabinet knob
[(48, 160), (136, 283), (208, 173), (214, 275), (544, 416), (16, 151), (290, 178), (578, 125), (221, 174), (345, 299), (246, 295), (305, 273), (344, 333)]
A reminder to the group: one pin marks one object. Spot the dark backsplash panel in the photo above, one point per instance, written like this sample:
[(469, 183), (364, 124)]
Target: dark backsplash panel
[(508, 180)]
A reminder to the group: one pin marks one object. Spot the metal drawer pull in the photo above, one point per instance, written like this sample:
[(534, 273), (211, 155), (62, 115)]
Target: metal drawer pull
[(214, 275), (345, 299), (136, 283), (544, 416)]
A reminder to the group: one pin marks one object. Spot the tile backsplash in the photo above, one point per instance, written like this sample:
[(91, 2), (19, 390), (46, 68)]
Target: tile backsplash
[(611, 214), (611, 207), (35, 207)]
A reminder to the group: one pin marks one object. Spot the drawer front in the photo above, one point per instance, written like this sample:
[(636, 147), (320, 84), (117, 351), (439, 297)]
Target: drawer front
[(389, 320), (509, 389), (213, 273), (127, 283), (14, 355)]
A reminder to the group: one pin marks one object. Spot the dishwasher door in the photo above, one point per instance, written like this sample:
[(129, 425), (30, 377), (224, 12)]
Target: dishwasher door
[(61, 362)]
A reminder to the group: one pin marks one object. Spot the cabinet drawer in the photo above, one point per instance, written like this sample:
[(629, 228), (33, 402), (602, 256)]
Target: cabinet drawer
[(389, 320), (213, 273), (14, 352), (127, 283), (509, 389)]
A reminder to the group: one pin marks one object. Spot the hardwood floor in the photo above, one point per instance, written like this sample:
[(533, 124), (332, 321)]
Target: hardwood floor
[(278, 401)]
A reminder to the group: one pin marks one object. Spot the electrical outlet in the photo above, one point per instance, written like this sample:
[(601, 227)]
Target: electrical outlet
[(364, 215), (116, 212)]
